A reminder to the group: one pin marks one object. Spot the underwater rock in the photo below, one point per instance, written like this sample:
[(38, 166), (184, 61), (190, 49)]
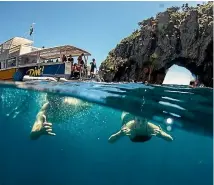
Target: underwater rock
[(182, 36)]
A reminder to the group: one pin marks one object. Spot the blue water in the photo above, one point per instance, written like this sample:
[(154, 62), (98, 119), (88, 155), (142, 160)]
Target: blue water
[(80, 154)]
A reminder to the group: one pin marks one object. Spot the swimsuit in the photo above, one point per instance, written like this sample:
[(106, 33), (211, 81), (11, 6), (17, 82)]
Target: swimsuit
[(139, 138)]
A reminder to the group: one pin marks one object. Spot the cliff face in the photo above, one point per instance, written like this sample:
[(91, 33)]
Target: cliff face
[(183, 37)]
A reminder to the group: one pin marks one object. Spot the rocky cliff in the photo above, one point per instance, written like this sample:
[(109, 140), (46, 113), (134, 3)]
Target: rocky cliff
[(180, 35)]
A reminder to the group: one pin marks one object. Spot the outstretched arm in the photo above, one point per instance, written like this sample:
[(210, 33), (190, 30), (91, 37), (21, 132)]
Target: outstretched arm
[(44, 108), (113, 138), (157, 131), (41, 126), (125, 131), (164, 135), (40, 118)]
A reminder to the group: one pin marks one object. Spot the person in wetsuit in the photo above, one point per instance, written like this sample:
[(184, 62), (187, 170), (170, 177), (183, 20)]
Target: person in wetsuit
[(93, 66), (56, 109), (138, 130)]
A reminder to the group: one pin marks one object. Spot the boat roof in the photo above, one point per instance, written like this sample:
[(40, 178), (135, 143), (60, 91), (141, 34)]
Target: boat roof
[(56, 52), (15, 41)]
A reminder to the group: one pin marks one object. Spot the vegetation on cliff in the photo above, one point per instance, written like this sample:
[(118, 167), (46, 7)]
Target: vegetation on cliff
[(180, 35)]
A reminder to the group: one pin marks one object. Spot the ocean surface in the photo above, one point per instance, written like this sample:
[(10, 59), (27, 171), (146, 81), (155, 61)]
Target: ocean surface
[(80, 153)]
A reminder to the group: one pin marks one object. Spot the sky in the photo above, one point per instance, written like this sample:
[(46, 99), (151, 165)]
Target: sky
[(178, 75), (94, 26)]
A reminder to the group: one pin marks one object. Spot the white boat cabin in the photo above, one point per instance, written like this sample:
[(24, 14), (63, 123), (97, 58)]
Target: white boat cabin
[(12, 49)]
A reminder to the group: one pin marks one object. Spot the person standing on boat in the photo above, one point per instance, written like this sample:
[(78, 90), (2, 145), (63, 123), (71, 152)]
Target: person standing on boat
[(70, 58), (93, 66), (71, 61), (138, 130), (82, 64), (72, 64), (80, 60), (64, 58)]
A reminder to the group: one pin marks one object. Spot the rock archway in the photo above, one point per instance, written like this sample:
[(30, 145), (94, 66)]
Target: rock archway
[(183, 38), (203, 70)]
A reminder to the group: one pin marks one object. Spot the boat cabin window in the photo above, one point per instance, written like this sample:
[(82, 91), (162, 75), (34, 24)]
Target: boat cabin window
[(25, 60), (11, 62), (2, 64)]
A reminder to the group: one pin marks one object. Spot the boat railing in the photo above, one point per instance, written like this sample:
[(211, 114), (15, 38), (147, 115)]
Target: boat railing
[(42, 57), (37, 64)]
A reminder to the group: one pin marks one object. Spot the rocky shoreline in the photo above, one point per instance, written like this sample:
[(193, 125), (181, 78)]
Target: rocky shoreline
[(180, 35)]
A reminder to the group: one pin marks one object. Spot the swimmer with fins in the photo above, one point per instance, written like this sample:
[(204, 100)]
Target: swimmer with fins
[(138, 130), (55, 109)]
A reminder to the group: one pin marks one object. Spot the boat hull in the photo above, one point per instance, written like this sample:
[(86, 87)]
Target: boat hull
[(38, 71), (7, 74), (60, 70)]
